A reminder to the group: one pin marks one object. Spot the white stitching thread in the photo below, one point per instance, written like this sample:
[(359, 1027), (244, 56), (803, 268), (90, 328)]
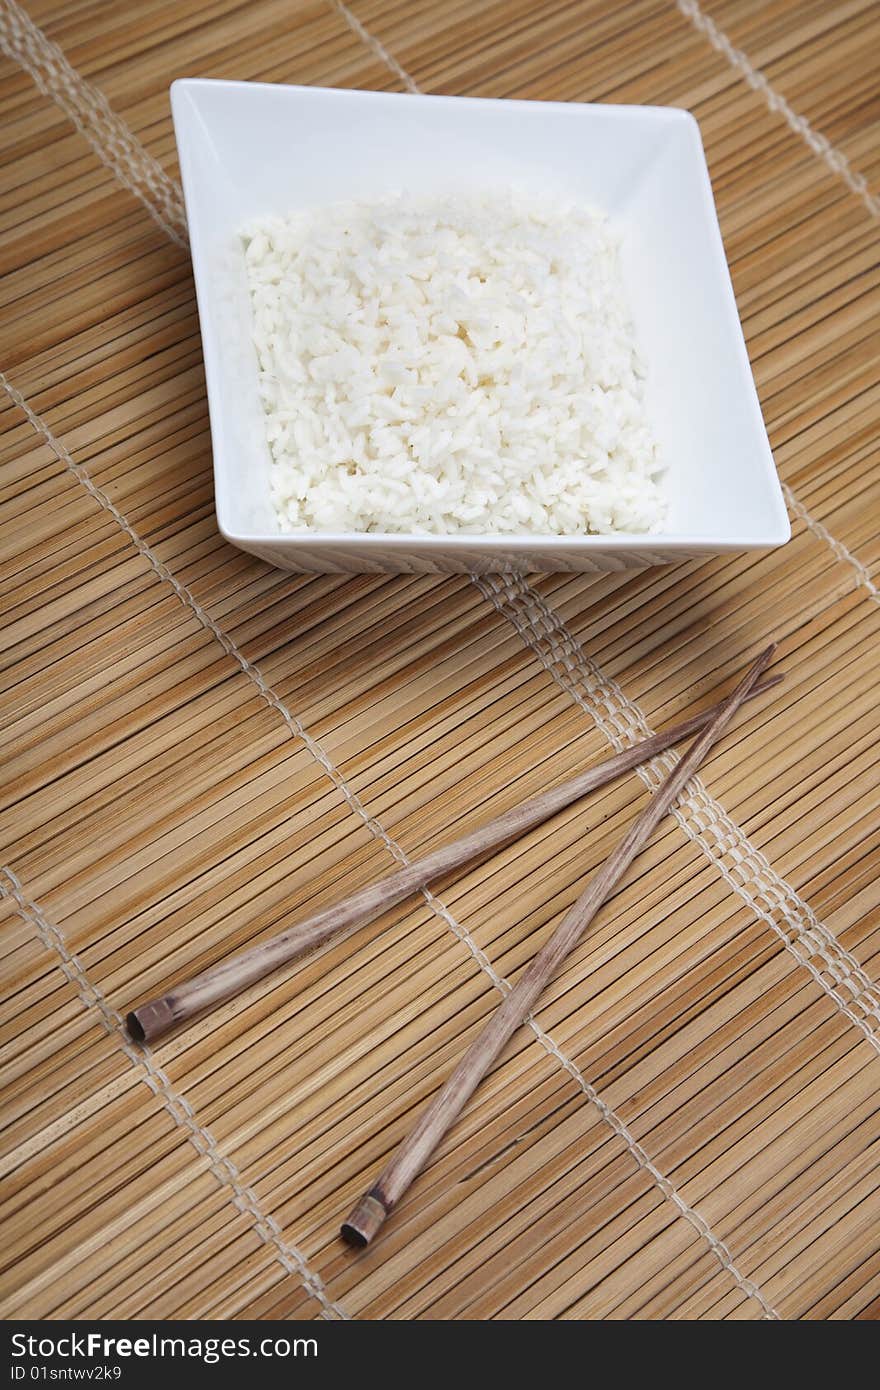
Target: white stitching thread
[(614, 723), (718, 1248), (373, 44), (835, 159), (189, 600), (841, 167), (817, 940), (666, 1186), (863, 578), (244, 1199), (89, 110), (703, 819), (718, 835), (799, 124), (377, 830)]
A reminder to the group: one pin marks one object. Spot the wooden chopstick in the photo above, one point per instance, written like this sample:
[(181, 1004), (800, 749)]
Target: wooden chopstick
[(229, 977), (372, 1209)]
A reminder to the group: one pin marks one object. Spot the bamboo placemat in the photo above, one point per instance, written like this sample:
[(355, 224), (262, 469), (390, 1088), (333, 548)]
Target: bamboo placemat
[(197, 747)]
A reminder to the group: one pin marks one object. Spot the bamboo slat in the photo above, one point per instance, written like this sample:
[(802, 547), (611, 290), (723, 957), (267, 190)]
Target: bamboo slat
[(691, 1127)]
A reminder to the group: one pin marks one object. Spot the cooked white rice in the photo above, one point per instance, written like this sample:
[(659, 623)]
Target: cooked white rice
[(448, 365)]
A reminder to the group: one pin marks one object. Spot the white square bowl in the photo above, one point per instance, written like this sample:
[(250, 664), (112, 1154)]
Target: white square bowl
[(248, 149)]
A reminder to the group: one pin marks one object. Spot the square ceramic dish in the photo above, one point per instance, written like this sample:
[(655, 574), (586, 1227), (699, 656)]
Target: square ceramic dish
[(247, 149)]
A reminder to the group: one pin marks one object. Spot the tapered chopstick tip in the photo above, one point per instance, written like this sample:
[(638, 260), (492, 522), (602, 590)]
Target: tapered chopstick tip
[(753, 674)]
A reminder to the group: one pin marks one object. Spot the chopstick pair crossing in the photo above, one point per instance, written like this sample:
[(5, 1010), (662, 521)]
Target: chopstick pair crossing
[(372, 1209), (155, 1018)]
